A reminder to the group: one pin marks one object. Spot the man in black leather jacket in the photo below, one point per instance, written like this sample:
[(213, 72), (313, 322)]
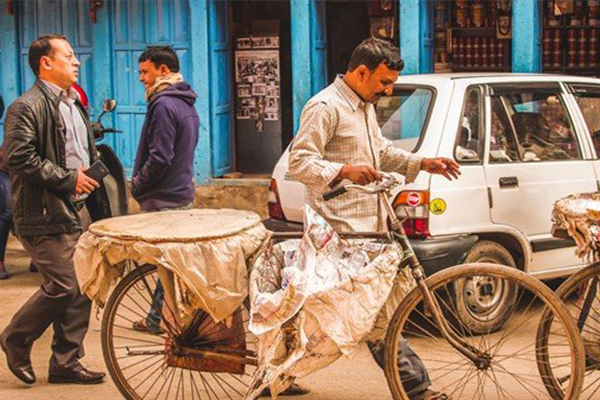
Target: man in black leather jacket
[(49, 145)]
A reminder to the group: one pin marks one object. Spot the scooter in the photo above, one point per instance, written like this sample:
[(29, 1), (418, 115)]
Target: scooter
[(114, 188)]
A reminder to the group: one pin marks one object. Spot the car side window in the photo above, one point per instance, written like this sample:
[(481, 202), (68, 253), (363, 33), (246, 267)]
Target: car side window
[(542, 126), (470, 132), (588, 99), (503, 145)]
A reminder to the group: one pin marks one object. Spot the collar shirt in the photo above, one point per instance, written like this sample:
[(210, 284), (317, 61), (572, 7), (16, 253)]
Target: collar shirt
[(76, 146), (337, 128)]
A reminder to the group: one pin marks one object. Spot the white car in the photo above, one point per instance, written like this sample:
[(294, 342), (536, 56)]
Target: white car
[(523, 141)]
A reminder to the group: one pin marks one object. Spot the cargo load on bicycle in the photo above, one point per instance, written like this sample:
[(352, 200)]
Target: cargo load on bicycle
[(199, 258), (316, 299)]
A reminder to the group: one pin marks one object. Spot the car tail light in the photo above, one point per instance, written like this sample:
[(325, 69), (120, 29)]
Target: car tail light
[(275, 209), (415, 205)]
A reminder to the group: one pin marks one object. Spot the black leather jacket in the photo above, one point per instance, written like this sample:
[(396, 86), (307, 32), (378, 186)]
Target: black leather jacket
[(35, 156)]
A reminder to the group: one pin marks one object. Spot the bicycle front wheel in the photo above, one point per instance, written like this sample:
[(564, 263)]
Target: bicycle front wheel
[(581, 295), (201, 359), (505, 366)]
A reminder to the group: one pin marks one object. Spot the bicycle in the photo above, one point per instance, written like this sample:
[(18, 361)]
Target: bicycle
[(463, 363), (580, 295)]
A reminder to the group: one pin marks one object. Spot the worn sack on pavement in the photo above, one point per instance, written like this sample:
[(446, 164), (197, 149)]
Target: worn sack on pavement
[(204, 251), (316, 299)]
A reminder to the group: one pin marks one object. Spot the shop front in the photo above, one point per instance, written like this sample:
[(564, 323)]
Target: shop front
[(570, 32), (472, 36)]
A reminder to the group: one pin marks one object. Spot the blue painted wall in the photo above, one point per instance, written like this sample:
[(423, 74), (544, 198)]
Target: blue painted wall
[(416, 36), (309, 52), (9, 78), (526, 48)]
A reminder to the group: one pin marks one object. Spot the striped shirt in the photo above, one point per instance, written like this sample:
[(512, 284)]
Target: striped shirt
[(76, 147), (337, 128)]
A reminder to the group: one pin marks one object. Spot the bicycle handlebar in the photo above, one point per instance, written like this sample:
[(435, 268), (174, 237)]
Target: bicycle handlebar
[(387, 183)]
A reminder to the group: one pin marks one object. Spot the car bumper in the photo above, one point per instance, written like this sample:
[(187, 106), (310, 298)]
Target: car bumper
[(439, 253)]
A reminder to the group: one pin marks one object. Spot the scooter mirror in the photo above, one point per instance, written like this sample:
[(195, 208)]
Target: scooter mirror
[(109, 105)]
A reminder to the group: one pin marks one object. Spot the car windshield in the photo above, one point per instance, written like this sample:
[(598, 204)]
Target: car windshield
[(403, 115)]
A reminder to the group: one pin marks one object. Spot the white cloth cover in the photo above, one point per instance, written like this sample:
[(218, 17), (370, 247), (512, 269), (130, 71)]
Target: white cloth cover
[(206, 250)]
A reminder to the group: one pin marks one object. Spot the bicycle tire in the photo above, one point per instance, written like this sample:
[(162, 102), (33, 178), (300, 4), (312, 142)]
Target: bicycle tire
[(569, 289), (206, 384), (410, 321)]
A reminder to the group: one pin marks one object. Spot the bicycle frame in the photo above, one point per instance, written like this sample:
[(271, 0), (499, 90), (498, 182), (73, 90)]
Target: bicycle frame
[(397, 234)]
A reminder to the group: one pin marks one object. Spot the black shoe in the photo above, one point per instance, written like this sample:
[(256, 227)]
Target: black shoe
[(3, 272), (80, 376), (33, 268), (293, 390), (22, 370)]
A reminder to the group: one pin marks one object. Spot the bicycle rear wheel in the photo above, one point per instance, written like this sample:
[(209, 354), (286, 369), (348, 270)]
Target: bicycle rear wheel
[(581, 295), (200, 360), (506, 366)]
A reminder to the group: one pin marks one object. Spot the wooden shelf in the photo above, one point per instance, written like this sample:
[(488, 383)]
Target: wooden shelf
[(567, 27), (473, 32), (477, 69), (595, 68)]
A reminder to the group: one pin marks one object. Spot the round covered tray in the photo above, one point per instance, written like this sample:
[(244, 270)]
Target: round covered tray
[(580, 206), (177, 225)]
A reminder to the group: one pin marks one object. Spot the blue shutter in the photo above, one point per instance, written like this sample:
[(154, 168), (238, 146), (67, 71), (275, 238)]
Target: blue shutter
[(67, 17), (427, 36), (220, 92), (319, 45), (136, 24)]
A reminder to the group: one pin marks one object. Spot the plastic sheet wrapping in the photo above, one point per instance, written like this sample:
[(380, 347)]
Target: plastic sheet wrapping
[(206, 251), (317, 299)]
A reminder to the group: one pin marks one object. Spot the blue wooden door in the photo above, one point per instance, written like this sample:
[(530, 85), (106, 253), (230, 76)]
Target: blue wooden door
[(135, 24), (319, 46), (427, 32), (221, 91), (70, 18)]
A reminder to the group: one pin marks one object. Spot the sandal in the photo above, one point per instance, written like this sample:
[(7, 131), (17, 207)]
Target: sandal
[(142, 326)]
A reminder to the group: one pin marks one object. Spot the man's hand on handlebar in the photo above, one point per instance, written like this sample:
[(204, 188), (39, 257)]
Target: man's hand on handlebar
[(441, 166), (359, 174)]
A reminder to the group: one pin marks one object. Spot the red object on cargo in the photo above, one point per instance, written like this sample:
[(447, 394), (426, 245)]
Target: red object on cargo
[(275, 209)]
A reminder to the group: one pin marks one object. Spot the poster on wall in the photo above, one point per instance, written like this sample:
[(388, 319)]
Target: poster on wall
[(257, 76)]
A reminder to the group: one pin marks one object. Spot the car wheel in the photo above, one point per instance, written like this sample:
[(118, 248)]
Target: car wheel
[(484, 303)]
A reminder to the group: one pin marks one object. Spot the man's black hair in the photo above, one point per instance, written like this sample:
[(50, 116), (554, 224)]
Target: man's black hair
[(41, 47), (160, 55), (372, 52)]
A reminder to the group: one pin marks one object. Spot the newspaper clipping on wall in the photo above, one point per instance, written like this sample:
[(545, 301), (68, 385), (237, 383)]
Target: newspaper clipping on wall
[(257, 74)]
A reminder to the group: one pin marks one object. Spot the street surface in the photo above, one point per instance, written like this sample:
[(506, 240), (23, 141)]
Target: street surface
[(358, 378)]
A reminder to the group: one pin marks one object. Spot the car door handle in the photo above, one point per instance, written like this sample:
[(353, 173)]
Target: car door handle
[(509, 182)]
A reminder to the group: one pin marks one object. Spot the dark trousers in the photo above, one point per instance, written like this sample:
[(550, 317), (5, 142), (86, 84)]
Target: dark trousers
[(158, 297), (5, 212), (58, 302), (413, 372)]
